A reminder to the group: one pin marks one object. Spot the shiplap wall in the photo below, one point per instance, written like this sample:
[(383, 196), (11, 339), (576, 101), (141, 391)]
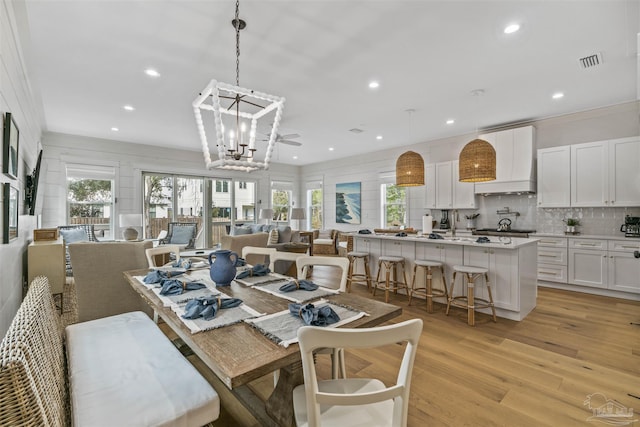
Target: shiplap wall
[(17, 98)]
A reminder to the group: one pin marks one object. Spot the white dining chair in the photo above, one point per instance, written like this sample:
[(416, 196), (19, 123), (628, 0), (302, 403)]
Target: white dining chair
[(304, 262), (161, 255), (355, 401), (259, 251)]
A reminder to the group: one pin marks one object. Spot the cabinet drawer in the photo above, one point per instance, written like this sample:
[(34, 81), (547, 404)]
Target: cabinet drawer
[(550, 255), (588, 244), (558, 242), (552, 273), (624, 245)]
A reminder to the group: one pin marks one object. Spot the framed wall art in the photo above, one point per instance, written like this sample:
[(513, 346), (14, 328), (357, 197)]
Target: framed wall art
[(348, 203), (10, 140), (9, 213)]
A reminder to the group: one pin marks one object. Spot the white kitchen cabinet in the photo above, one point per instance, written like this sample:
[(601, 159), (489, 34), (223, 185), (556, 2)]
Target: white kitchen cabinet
[(554, 177), (590, 174), (552, 259), (444, 185), (444, 190), (624, 267), (588, 263), (503, 273), (464, 196), (430, 186), (624, 172)]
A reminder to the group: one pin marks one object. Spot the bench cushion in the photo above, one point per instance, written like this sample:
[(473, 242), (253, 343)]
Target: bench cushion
[(124, 371)]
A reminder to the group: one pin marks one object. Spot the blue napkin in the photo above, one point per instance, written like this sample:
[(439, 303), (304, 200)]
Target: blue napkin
[(435, 236), (483, 240), (258, 270), (305, 285), (182, 263), (178, 287), (156, 276), (207, 307), (314, 316)]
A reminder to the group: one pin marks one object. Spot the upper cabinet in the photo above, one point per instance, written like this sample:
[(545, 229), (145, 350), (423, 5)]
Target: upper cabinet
[(444, 191), (554, 178), (514, 161), (602, 173)]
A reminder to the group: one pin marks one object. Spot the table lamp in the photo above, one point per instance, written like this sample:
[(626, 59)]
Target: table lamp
[(298, 213), (130, 221), (267, 214)]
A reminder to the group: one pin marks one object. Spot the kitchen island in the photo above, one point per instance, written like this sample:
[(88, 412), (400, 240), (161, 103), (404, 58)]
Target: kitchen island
[(512, 264)]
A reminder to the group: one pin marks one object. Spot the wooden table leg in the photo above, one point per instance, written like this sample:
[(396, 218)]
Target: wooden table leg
[(279, 406)]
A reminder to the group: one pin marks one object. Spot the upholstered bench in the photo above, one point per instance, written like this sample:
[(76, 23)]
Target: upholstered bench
[(120, 370)]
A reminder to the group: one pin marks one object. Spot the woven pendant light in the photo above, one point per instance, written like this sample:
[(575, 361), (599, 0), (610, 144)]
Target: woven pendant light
[(477, 162), (410, 170)]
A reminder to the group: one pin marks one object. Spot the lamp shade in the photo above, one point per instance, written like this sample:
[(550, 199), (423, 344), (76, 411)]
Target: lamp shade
[(477, 162), (266, 213), (297, 213), (410, 170), (128, 221)]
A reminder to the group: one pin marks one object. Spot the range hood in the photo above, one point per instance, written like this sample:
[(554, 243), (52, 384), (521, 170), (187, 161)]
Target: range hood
[(515, 162)]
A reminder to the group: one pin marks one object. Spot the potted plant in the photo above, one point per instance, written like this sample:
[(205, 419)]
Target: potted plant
[(572, 223)]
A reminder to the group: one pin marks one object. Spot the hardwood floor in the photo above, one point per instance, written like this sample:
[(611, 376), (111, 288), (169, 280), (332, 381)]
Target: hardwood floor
[(537, 372)]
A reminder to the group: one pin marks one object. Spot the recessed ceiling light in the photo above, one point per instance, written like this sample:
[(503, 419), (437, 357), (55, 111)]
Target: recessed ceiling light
[(374, 85), (128, 108), (151, 72), (115, 129), (330, 148), (379, 137), (450, 121), (557, 95), (511, 28), (295, 157)]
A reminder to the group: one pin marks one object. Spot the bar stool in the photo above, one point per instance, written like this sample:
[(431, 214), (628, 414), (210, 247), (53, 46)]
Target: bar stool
[(428, 290), (390, 264), (358, 277), (469, 301)]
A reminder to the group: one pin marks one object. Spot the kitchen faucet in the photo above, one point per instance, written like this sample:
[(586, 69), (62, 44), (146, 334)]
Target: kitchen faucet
[(453, 222)]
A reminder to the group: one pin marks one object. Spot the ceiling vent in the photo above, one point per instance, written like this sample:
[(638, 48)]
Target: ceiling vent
[(356, 130), (590, 61)]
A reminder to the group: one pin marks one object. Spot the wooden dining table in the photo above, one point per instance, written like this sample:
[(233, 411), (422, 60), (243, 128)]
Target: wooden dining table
[(239, 353)]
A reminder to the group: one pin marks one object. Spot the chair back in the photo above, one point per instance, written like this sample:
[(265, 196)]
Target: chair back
[(312, 338), (182, 233), (256, 255), (304, 261), (161, 255)]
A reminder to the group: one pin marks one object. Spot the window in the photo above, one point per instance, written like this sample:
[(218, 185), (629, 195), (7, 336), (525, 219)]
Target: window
[(222, 186), (314, 205), (242, 185), (281, 200), (394, 205), (90, 197)]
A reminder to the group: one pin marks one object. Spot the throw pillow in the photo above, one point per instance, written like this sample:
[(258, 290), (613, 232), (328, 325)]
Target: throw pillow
[(256, 228), (273, 237), (72, 235), (238, 231)]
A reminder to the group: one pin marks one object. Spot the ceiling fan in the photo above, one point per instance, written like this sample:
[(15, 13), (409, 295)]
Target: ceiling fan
[(286, 139)]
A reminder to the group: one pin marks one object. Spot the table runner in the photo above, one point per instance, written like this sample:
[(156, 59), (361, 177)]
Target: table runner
[(282, 327)]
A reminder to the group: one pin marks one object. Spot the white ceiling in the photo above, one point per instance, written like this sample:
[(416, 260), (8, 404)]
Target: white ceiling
[(87, 59)]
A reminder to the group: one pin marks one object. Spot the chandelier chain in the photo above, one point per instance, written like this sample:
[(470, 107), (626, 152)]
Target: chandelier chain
[(237, 21)]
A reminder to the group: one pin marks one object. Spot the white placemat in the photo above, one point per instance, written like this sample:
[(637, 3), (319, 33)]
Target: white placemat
[(299, 295)]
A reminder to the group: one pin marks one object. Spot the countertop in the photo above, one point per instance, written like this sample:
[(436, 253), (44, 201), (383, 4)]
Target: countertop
[(587, 236), (464, 240)]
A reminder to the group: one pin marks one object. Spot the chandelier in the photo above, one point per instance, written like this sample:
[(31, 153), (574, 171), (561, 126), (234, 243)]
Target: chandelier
[(240, 109)]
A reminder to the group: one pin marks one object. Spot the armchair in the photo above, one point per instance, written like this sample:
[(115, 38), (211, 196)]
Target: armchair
[(326, 245), (182, 234)]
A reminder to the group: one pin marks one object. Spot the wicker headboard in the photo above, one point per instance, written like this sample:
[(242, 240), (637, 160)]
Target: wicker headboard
[(33, 388)]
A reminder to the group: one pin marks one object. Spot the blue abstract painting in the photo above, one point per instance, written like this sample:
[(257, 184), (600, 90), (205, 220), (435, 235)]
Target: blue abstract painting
[(348, 203)]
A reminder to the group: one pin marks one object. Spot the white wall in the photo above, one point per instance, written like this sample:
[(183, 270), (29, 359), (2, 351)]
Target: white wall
[(611, 122), (17, 98)]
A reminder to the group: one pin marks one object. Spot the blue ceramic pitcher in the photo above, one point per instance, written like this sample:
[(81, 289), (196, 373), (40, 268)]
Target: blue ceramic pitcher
[(223, 267)]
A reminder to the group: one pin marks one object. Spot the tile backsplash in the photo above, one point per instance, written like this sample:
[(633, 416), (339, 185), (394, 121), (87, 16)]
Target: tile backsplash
[(604, 221)]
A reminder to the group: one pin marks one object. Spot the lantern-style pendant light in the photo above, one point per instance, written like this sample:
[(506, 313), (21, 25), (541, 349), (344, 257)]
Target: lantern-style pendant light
[(477, 162)]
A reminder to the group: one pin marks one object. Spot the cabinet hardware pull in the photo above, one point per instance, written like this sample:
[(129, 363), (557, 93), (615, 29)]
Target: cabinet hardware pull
[(547, 272), (549, 241), (629, 247), (585, 244), (547, 256)]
